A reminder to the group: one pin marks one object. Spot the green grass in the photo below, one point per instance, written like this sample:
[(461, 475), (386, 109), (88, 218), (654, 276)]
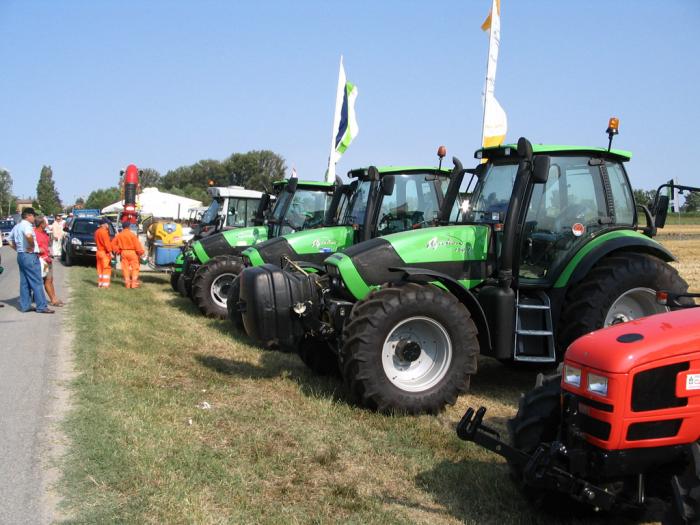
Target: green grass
[(279, 445)]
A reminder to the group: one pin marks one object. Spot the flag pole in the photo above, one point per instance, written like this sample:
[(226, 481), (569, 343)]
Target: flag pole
[(330, 172)]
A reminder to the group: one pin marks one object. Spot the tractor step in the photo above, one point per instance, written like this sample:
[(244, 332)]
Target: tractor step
[(534, 330)]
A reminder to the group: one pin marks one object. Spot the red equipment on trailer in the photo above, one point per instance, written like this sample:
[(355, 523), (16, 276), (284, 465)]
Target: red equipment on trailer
[(619, 426), (129, 187)]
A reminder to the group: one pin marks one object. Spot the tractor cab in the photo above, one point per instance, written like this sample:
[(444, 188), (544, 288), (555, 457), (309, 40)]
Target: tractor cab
[(302, 205), (585, 193), (380, 201), (395, 199)]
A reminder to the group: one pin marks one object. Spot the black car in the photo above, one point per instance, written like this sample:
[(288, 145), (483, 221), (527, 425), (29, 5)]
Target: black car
[(79, 241), (5, 229)]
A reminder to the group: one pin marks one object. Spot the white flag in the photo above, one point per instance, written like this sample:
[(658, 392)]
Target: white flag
[(345, 127), (495, 123)]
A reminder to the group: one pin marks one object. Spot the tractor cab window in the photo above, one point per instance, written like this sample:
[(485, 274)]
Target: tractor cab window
[(491, 196), (562, 215), (212, 212), (241, 212), (358, 204), (413, 203), (306, 210), (621, 194)]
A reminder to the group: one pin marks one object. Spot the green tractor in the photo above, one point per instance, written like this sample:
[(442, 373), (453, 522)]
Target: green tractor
[(547, 249), (231, 207), (383, 201), (212, 263)]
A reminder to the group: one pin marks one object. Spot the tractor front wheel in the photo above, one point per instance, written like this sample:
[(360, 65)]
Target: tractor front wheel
[(618, 289), (537, 422), (174, 278), (409, 348), (318, 356), (234, 296), (211, 284)]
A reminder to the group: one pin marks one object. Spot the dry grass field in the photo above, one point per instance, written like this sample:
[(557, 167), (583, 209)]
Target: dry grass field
[(273, 443)]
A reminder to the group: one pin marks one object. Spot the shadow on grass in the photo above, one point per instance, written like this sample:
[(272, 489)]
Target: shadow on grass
[(466, 488), (275, 365)]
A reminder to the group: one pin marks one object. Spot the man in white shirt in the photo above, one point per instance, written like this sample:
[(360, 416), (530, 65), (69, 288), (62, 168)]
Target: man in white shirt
[(23, 241), (57, 235)]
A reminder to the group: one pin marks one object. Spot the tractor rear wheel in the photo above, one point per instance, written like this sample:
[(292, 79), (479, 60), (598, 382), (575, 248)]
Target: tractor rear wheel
[(211, 285), (537, 421), (174, 278), (318, 356), (234, 296), (619, 288), (408, 348)]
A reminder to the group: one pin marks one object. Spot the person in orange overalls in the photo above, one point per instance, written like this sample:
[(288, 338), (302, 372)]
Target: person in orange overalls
[(127, 244), (104, 254)]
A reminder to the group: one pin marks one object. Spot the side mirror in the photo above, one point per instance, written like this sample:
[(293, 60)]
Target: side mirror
[(291, 186), (661, 211), (540, 169), (388, 182), (264, 202)]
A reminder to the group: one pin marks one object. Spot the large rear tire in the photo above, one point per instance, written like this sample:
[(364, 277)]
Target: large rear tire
[(619, 288), (174, 278), (409, 348), (234, 296), (211, 284)]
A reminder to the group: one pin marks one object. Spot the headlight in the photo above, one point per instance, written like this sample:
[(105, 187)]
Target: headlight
[(572, 375), (598, 384), (76, 241)]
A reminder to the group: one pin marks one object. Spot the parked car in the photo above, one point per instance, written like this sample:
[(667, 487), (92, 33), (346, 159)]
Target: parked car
[(6, 227), (79, 242)]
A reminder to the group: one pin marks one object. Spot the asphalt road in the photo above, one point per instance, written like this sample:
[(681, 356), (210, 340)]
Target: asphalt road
[(32, 359)]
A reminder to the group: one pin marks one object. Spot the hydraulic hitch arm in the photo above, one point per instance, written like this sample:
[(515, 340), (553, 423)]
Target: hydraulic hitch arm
[(538, 469)]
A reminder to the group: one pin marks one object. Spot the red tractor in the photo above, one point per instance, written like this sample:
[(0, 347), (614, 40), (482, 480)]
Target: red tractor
[(619, 427)]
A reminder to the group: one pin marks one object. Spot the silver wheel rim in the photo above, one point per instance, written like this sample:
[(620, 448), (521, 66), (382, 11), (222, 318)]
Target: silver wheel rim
[(633, 304), (219, 288), (432, 364)]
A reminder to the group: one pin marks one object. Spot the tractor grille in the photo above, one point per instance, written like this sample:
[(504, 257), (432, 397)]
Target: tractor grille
[(595, 427), (654, 429), (656, 388)]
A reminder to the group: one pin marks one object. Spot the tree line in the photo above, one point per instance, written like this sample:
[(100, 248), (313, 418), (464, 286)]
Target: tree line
[(255, 170), (646, 198)]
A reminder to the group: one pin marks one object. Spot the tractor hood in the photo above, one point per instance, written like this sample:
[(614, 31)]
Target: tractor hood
[(647, 342), (457, 251), (308, 245), (230, 242)]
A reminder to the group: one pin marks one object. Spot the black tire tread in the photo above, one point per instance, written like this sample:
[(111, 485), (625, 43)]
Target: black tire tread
[(203, 279), (360, 336), (587, 302)]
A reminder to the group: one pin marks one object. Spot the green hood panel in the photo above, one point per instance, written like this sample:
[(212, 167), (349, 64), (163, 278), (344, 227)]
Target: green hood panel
[(458, 251), (228, 242), (443, 243), (321, 240)]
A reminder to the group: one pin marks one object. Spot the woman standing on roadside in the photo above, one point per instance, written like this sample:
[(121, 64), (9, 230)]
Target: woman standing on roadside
[(42, 239)]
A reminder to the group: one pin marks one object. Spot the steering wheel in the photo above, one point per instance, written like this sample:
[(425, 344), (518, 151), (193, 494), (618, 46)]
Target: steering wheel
[(568, 215)]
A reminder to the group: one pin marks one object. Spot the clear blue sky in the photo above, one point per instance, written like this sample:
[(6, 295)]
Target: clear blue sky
[(90, 86)]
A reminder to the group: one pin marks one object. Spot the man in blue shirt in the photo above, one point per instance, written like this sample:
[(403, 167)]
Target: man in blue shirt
[(23, 240)]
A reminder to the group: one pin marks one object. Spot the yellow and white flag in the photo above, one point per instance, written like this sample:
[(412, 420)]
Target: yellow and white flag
[(495, 123)]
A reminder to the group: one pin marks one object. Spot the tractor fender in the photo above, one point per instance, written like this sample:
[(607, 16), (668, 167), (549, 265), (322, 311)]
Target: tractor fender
[(620, 244), (464, 296)]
